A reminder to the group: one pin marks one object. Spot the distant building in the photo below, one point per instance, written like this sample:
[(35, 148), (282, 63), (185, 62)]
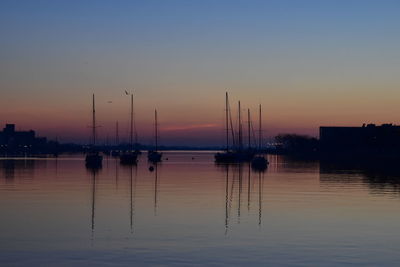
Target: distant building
[(17, 142), (383, 140)]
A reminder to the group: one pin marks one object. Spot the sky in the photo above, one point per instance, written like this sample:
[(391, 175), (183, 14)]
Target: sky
[(308, 63)]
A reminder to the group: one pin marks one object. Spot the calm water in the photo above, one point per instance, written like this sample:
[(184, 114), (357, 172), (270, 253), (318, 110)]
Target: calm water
[(190, 211)]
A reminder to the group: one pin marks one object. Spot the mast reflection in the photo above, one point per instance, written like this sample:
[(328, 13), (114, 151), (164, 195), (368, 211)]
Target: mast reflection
[(248, 188), (259, 199), (234, 172), (155, 188), (226, 198), (94, 172), (132, 187), (240, 190)]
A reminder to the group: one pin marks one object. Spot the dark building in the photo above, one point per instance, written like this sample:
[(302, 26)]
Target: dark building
[(366, 141), (19, 142)]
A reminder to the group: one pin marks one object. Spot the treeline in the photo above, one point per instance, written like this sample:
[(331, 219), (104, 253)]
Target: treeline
[(296, 145)]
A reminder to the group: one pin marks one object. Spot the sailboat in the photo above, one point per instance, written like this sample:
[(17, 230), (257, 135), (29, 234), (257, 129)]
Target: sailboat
[(130, 157), (245, 154), (259, 162), (93, 158), (236, 153), (227, 156), (154, 155)]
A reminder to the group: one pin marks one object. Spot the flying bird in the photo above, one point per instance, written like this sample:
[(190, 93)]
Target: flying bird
[(126, 92), (109, 102)]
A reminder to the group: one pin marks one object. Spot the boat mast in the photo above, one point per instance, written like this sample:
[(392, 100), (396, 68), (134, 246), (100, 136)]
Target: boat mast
[(259, 129), (155, 127), (93, 123), (231, 125), (240, 130), (133, 121), (131, 131), (135, 131), (248, 127), (226, 121)]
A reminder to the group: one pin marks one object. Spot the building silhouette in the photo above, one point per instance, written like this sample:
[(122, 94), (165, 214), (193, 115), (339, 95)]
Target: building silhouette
[(14, 142), (366, 141)]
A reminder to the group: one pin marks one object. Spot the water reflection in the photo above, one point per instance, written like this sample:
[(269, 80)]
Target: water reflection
[(379, 177), (132, 175), (93, 200), (304, 211), (155, 187), (93, 173), (234, 174), (260, 193), (19, 167), (8, 167), (132, 188), (287, 164)]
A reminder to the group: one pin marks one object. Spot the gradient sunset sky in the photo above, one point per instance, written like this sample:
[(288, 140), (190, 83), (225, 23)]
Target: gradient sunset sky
[(309, 63)]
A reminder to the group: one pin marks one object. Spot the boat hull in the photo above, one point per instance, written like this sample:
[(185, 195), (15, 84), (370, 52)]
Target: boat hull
[(259, 163), (154, 156), (128, 158), (93, 160)]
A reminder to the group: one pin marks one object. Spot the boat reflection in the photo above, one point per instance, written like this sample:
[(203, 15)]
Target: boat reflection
[(93, 172), (132, 190), (155, 187), (188, 189), (234, 174), (132, 184)]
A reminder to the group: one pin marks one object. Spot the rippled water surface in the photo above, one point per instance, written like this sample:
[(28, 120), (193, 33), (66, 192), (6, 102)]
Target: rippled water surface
[(189, 211)]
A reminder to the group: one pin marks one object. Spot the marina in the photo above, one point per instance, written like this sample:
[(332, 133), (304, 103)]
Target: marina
[(199, 133)]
